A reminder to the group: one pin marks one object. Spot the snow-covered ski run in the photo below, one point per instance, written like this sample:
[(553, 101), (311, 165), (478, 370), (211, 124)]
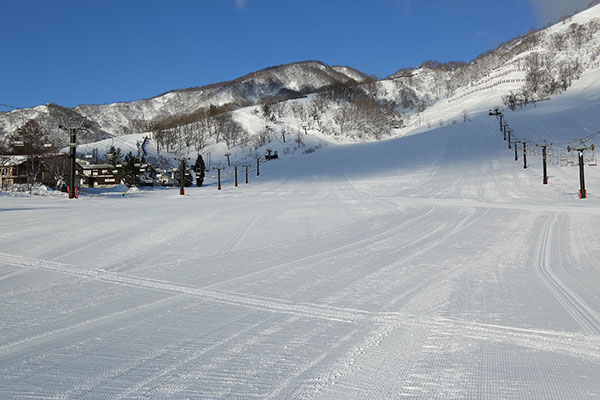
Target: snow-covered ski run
[(427, 266)]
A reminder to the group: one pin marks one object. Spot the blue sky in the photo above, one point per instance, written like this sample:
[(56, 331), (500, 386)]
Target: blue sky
[(74, 52)]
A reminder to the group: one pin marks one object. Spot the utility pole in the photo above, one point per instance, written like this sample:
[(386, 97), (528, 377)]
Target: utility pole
[(246, 166), (182, 177), (516, 148), (510, 131), (580, 150), (72, 159), (257, 166), (72, 189), (504, 127), (524, 155)]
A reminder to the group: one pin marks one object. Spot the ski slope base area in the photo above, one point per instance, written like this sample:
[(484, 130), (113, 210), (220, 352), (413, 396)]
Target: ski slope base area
[(428, 266)]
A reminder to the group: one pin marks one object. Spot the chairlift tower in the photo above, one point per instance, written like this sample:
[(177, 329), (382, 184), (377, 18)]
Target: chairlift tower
[(496, 112), (544, 161), (580, 149), (219, 177), (246, 166), (235, 167)]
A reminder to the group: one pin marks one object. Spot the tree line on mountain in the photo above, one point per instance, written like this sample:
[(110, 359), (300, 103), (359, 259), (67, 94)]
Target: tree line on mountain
[(353, 112), (547, 73)]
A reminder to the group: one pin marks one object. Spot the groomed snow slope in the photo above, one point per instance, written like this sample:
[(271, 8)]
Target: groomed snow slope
[(429, 266)]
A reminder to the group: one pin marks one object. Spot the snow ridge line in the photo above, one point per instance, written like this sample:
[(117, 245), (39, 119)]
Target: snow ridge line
[(572, 344), (547, 340), (573, 304), (267, 304)]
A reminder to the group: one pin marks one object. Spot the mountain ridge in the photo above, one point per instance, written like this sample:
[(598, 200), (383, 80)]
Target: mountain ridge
[(572, 45)]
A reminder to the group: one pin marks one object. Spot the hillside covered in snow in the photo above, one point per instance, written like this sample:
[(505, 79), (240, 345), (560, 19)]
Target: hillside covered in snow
[(336, 104)]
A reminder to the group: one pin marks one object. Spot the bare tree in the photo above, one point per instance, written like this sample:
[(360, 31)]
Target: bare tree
[(280, 109), (300, 112), (31, 140), (232, 132), (299, 141), (4, 154), (262, 137), (342, 117), (536, 74), (159, 138), (318, 106)]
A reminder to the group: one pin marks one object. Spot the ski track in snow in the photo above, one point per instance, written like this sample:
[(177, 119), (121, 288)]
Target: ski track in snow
[(564, 341), (585, 316)]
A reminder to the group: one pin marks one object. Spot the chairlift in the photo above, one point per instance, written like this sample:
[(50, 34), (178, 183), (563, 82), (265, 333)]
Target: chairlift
[(593, 162), (563, 159)]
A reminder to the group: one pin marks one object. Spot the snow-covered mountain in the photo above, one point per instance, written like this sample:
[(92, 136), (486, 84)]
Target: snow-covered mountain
[(274, 83), (559, 53), (536, 65)]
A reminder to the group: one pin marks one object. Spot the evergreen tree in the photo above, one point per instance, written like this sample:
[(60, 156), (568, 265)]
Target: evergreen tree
[(130, 171), (114, 156), (199, 168)]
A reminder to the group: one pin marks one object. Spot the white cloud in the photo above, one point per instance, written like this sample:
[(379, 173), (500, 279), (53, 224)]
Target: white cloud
[(551, 10), (240, 4)]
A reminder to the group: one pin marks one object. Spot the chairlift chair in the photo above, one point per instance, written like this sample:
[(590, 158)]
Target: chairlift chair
[(563, 159), (593, 160)]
